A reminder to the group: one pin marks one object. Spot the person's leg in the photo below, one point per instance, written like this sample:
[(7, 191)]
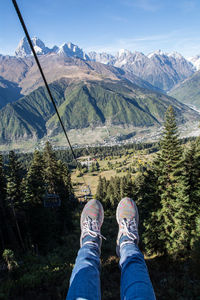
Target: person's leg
[(135, 281), (85, 278)]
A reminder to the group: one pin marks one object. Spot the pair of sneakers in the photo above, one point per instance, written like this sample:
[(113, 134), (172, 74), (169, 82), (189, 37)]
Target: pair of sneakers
[(92, 219)]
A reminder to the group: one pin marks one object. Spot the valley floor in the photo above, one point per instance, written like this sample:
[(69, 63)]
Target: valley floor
[(102, 136)]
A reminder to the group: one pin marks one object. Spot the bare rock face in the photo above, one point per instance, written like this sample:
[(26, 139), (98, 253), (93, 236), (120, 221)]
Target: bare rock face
[(71, 50), (14, 69), (67, 61), (24, 50), (158, 68), (157, 71), (67, 49), (104, 58)]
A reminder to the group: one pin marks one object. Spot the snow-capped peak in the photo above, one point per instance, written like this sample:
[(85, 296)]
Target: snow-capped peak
[(70, 49), (195, 60), (24, 49), (102, 57), (157, 52), (175, 55), (123, 52)]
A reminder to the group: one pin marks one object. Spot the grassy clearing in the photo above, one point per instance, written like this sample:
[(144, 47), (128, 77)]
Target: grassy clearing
[(110, 167)]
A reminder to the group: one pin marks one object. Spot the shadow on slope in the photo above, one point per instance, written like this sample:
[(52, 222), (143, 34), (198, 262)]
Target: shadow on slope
[(9, 92)]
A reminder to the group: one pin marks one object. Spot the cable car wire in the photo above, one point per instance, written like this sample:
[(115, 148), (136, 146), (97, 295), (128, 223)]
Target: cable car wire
[(44, 78)]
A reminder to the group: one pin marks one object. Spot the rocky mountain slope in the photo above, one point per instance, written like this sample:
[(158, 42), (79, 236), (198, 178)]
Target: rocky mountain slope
[(160, 69), (23, 72), (23, 49)]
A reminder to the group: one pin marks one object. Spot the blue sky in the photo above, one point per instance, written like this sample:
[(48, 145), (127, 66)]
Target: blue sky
[(105, 25)]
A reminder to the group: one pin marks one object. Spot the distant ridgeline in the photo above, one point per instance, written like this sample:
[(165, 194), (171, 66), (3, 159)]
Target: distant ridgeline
[(162, 70), (84, 104)]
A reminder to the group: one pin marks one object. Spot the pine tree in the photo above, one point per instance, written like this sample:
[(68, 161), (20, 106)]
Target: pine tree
[(3, 221), (175, 213), (126, 186), (66, 194), (2, 180), (191, 174), (110, 198), (47, 175), (33, 194), (14, 198), (116, 187), (34, 188), (7, 234), (100, 192), (194, 182), (195, 198), (170, 149), (58, 181), (145, 193), (51, 169), (14, 178)]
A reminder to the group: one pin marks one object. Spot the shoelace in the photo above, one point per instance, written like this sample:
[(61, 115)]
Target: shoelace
[(129, 227), (91, 227)]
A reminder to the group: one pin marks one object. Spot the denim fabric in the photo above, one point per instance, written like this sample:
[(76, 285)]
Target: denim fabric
[(135, 281), (85, 278)]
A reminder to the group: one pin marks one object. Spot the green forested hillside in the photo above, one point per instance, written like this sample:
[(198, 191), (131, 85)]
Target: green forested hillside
[(26, 118), (188, 92), (94, 103), (84, 104)]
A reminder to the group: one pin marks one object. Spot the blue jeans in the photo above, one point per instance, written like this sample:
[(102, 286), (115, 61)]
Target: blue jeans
[(85, 278)]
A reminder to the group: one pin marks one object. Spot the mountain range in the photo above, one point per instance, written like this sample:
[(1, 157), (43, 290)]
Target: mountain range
[(91, 90), (69, 49), (160, 69)]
